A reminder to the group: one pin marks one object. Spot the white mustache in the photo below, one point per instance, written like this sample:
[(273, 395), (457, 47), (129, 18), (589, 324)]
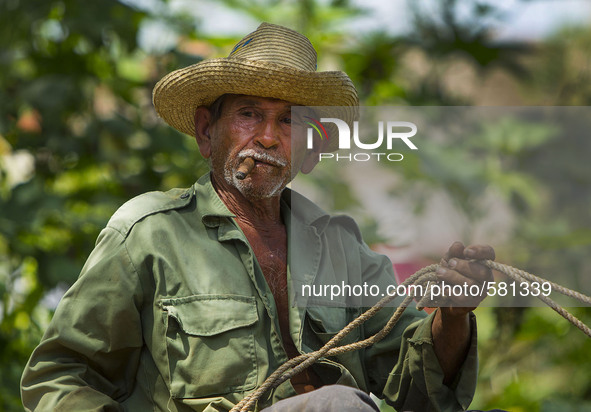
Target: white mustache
[(263, 157)]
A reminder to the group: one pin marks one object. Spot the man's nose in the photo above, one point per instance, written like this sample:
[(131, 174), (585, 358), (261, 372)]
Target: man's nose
[(268, 135)]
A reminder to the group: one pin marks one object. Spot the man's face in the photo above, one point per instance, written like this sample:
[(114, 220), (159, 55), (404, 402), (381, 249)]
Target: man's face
[(260, 128)]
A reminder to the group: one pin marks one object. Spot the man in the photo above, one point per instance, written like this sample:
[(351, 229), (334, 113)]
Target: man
[(185, 303)]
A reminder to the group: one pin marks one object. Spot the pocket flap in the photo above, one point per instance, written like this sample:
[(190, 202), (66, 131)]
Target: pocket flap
[(208, 315)]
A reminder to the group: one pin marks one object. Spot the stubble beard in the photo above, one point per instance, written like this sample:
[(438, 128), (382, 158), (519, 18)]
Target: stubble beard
[(271, 187)]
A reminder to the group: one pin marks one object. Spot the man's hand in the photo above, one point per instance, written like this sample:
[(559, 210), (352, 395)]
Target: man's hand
[(451, 325), (459, 266)]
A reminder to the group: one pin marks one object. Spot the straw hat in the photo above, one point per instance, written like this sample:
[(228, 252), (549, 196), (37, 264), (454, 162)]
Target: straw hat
[(273, 61)]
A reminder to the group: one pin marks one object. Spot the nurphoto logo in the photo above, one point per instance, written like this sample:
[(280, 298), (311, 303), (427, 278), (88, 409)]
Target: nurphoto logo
[(388, 132)]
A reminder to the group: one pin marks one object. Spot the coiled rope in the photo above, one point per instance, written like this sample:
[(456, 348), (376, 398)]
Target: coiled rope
[(423, 276)]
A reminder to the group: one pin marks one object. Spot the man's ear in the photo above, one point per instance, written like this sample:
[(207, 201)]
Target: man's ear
[(202, 127)]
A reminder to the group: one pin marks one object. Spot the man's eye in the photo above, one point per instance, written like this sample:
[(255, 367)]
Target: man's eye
[(286, 120), (247, 114)]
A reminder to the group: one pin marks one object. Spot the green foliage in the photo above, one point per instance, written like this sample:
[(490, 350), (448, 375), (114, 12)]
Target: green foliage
[(542, 365), (564, 73)]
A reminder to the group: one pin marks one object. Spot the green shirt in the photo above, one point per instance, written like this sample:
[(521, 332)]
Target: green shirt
[(172, 312)]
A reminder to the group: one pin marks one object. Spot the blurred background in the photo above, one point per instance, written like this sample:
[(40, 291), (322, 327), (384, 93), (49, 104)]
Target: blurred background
[(79, 137)]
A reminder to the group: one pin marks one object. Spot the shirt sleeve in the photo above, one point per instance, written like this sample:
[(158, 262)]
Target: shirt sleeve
[(403, 367), (88, 357), (416, 382)]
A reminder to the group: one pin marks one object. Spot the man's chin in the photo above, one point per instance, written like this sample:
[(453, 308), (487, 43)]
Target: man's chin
[(253, 190)]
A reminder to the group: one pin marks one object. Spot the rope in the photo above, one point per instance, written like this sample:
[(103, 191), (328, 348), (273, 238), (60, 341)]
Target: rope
[(423, 276)]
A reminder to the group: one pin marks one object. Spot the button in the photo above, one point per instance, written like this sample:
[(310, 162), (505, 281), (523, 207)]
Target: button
[(185, 195)]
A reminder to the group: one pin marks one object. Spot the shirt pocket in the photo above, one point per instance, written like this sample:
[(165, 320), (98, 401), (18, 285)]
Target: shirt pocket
[(210, 344), (326, 322)]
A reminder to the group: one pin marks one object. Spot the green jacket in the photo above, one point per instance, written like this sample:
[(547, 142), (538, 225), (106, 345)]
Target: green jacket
[(171, 312)]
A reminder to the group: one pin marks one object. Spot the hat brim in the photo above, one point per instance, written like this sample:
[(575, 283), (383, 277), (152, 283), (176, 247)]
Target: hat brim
[(180, 93)]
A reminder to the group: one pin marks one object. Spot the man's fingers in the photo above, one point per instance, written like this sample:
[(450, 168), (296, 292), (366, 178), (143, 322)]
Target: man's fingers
[(453, 277), (455, 250), (470, 269), (463, 274), (459, 289), (479, 252)]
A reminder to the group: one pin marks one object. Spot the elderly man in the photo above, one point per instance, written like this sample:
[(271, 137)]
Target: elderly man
[(185, 303)]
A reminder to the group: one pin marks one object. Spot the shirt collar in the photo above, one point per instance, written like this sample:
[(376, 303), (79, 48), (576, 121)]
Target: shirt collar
[(301, 208), (304, 210), (209, 203)]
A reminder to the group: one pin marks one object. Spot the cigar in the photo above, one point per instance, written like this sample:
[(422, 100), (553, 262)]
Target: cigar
[(245, 168)]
